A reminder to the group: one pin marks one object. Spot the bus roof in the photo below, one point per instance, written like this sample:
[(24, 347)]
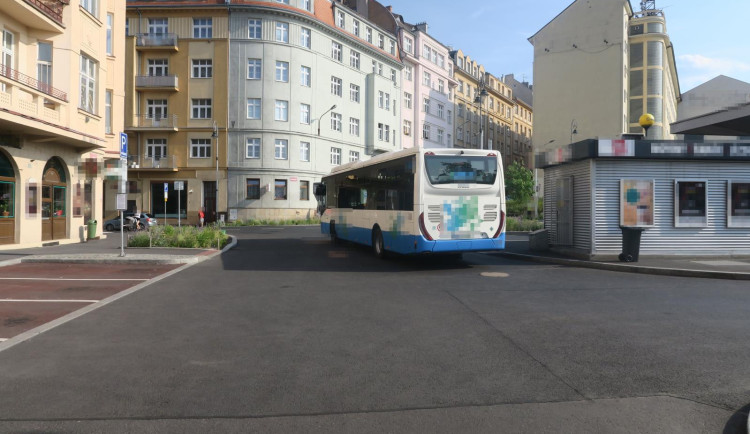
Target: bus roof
[(393, 155)]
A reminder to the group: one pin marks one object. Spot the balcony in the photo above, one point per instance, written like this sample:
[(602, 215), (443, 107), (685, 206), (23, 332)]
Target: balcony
[(156, 82), (152, 163), (156, 41), (166, 123), (33, 83), (45, 15)]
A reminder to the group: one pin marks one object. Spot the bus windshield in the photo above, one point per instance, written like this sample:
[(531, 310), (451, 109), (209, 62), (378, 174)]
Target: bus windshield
[(461, 169)]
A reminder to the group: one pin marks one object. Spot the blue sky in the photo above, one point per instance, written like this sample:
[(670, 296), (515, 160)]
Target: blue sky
[(710, 37)]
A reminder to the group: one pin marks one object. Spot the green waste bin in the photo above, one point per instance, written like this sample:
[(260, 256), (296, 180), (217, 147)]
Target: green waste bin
[(91, 229), (631, 243)]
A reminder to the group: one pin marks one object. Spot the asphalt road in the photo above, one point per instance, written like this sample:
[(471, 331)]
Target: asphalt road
[(288, 333)]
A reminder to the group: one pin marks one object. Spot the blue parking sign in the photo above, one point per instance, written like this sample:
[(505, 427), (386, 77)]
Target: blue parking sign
[(123, 146)]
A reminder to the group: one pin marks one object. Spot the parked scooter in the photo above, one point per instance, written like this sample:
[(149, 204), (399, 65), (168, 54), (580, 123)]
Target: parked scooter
[(133, 224)]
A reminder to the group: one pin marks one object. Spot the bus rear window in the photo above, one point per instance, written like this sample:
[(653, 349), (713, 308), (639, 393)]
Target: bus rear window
[(461, 169)]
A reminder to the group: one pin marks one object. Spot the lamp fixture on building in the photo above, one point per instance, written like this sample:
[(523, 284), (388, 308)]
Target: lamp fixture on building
[(573, 129), (321, 117)]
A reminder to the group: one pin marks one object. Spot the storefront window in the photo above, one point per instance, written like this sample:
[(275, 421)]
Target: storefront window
[(690, 203), (738, 206), (7, 202), (58, 201)]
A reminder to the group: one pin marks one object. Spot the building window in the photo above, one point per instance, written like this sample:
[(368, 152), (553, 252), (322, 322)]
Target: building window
[(304, 37), (91, 6), (252, 148), (381, 97), (156, 148), (738, 208), (110, 22), (158, 67), (336, 156), (203, 68), (336, 51), (200, 148), (336, 121), (252, 188), (280, 149), (305, 4), (281, 110), (426, 79), (355, 25), (340, 19), (304, 190), (354, 126), (381, 41), (304, 79), (426, 132), (286, 2), (407, 128), (304, 113), (282, 71), (43, 63), (407, 72), (393, 47), (353, 156), (426, 105), (254, 29), (384, 132), (336, 86), (450, 117), (304, 151), (368, 34), (354, 59), (202, 28), (387, 133), (108, 111), (387, 101), (158, 26), (440, 110), (441, 86), (88, 84), (354, 92), (279, 189), (407, 45), (282, 32), (156, 109), (440, 136), (393, 75), (254, 69), (253, 108), (201, 108), (407, 100)]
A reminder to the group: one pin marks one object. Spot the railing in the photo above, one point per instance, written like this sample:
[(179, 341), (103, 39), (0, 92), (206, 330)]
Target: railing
[(149, 121), (19, 77), (52, 9), (156, 40), (156, 81), (152, 162)]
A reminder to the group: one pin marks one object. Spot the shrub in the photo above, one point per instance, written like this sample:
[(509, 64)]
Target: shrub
[(183, 237), (515, 224), (270, 222)]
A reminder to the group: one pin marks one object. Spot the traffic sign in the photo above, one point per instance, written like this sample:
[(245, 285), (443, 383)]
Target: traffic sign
[(179, 185), (123, 147), (166, 190)]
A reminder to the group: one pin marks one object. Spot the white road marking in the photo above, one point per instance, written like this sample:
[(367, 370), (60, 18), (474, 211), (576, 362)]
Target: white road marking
[(493, 274), (3, 339), (56, 279), (17, 300)]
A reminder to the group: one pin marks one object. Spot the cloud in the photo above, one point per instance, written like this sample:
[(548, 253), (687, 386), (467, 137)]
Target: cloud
[(719, 65)]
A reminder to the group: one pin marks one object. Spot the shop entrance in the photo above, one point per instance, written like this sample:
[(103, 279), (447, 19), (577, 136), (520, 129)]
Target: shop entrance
[(54, 211), (7, 201)]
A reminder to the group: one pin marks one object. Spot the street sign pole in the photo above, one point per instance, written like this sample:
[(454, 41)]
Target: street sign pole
[(166, 190), (123, 186), (178, 187)]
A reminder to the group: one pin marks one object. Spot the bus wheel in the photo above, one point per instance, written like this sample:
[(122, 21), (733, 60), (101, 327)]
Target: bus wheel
[(332, 232), (377, 243)]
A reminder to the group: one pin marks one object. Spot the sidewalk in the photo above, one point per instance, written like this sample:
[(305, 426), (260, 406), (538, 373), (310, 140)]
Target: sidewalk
[(716, 267), (104, 251)]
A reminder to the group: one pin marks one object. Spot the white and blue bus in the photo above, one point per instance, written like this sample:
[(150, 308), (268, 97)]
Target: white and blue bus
[(417, 201)]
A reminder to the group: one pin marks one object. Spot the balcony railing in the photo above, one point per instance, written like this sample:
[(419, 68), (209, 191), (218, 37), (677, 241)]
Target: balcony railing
[(136, 162), (169, 81), (156, 40), (51, 8), (19, 77), (155, 122)]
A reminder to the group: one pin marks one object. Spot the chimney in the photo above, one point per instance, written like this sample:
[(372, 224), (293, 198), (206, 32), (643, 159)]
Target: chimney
[(363, 9), (421, 27)]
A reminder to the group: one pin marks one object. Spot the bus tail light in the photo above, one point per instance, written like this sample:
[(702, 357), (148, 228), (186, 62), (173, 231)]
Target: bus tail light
[(502, 224), (492, 154), (423, 229)]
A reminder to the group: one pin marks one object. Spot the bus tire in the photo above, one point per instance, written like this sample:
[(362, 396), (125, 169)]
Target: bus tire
[(378, 247), (332, 232)]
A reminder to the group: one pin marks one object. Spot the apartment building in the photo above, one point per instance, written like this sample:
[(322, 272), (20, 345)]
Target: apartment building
[(500, 111), (469, 75), (61, 99), (598, 66), (176, 110), (314, 84), (428, 87)]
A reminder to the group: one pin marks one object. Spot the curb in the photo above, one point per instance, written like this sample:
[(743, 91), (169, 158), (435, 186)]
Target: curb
[(630, 268)]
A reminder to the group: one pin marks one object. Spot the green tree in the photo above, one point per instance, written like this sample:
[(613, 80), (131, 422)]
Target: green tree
[(519, 188)]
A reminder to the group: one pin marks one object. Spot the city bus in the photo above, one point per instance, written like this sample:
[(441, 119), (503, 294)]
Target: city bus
[(417, 201)]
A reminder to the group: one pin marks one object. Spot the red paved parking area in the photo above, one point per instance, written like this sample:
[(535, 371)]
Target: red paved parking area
[(34, 294)]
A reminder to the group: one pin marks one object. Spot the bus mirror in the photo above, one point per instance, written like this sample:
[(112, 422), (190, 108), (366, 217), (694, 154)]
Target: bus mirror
[(320, 190)]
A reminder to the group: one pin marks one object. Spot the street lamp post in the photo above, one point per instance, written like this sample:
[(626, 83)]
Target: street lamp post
[(480, 99), (215, 136)]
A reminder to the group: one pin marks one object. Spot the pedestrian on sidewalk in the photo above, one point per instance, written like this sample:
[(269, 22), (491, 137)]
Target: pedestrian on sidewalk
[(201, 217)]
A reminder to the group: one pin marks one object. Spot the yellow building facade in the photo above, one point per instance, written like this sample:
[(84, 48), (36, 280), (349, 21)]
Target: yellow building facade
[(176, 110), (61, 99)]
